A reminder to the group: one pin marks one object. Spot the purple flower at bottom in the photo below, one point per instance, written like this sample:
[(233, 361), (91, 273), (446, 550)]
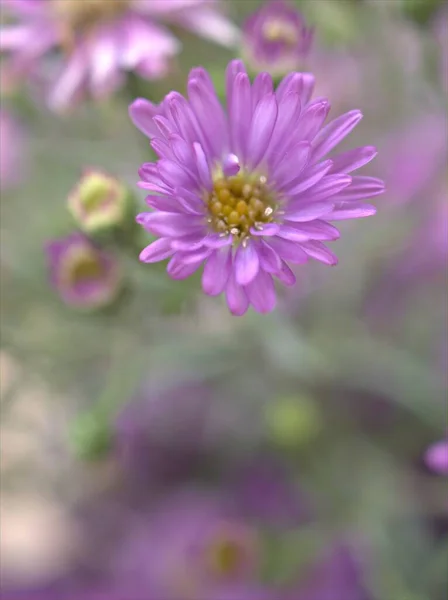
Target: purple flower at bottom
[(436, 457), (193, 545), (248, 191), (276, 38), (83, 275)]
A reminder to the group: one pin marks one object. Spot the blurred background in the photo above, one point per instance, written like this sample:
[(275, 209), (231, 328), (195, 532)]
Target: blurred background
[(154, 447)]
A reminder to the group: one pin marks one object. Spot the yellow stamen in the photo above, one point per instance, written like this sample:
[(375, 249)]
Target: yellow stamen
[(238, 203)]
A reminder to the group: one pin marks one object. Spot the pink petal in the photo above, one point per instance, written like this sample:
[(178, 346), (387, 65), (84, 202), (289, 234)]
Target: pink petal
[(328, 186), (361, 187), (158, 250), (308, 178), (285, 275), (246, 263), (312, 118), (240, 114), (352, 211), (236, 297), (167, 224), (269, 259), (320, 252), (308, 211), (267, 229), (202, 167), (261, 293), (353, 159), (217, 271), (334, 132), (176, 269), (288, 250), (317, 230), (261, 128)]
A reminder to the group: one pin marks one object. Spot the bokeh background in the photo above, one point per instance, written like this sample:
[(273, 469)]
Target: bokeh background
[(296, 439)]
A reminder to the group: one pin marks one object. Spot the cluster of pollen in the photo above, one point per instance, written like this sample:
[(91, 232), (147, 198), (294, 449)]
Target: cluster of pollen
[(81, 14), (239, 203)]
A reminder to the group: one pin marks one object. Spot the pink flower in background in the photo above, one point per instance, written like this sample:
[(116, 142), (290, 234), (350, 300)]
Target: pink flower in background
[(414, 155), (250, 190), (102, 39), (436, 457), (276, 38), (11, 151), (84, 276)]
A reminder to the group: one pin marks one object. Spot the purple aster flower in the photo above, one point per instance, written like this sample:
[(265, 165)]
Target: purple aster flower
[(436, 457), (11, 151), (83, 275), (202, 546), (99, 202), (102, 39), (276, 38), (251, 190)]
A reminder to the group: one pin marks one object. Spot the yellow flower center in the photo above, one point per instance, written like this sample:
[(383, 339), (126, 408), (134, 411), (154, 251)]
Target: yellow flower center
[(226, 556), (238, 203), (280, 31), (83, 267), (81, 14)]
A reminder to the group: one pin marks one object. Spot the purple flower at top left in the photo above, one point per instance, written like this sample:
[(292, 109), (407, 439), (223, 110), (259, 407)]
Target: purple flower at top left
[(99, 40)]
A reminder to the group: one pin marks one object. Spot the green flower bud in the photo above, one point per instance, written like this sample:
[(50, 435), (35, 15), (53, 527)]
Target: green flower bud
[(99, 202), (293, 421)]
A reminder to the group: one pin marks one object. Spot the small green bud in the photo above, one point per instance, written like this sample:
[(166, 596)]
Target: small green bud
[(293, 421), (99, 203), (90, 436)]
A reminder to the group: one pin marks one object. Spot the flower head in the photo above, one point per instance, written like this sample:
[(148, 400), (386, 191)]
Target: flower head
[(98, 202), (101, 39), (202, 547), (83, 275), (249, 190), (276, 38)]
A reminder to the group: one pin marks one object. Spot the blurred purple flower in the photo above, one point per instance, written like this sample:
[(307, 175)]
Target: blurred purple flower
[(102, 39), (84, 276), (192, 545), (248, 193), (12, 162), (159, 436), (276, 38), (436, 457), (414, 155)]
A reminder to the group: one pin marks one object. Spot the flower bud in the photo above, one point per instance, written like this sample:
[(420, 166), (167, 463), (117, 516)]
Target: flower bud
[(90, 436), (276, 39), (293, 421), (99, 202), (84, 276)]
